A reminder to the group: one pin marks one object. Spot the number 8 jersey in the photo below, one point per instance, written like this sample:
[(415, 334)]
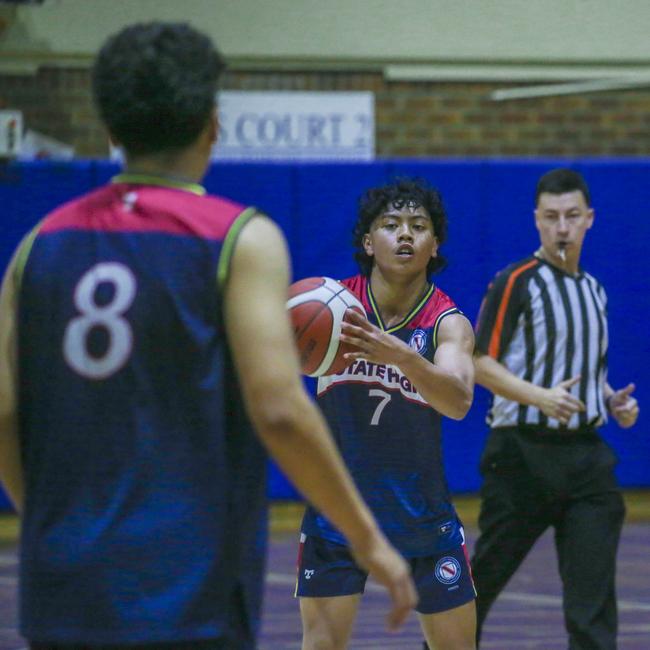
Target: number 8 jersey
[(389, 436), (138, 457)]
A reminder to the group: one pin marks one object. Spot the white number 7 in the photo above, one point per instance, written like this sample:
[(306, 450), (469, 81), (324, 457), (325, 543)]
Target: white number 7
[(385, 398)]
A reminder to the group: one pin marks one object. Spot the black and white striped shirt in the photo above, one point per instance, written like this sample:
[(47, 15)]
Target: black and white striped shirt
[(546, 326)]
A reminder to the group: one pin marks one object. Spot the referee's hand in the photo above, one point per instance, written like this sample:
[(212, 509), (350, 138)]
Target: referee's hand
[(558, 402), (623, 407)]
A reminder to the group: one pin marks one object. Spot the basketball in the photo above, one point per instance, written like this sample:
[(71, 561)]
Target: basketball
[(317, 307)]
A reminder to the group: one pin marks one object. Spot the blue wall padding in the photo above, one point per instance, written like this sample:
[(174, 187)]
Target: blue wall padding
[(490, 204), (28, 191)]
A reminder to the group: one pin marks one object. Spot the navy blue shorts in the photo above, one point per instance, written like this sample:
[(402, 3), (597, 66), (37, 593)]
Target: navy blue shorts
[(326, 569)]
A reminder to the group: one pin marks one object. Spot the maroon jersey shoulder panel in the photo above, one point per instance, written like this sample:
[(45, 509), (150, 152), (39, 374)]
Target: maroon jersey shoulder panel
[(141, 208), (439, 303), (358, 285)]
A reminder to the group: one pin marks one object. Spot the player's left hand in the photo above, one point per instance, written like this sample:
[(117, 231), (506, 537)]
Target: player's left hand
[(623, 407), (374, 344)]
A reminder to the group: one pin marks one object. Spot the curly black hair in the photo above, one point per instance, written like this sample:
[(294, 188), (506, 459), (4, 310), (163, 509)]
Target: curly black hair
[(375, 201), (155, 85)]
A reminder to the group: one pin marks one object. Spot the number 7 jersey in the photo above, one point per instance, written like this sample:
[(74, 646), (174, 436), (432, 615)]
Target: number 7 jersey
[(389, 436)]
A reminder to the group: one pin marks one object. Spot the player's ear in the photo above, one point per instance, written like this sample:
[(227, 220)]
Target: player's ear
[(434, 247), (367, 244)]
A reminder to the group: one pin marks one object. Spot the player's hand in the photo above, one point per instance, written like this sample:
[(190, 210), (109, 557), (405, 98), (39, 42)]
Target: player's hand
[(390, 569), (623, 407), (373, 344), (559, 403)]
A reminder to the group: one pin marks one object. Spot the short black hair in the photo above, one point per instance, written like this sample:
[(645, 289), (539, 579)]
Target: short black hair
[(375, 201), (561, 181), (155, 85)]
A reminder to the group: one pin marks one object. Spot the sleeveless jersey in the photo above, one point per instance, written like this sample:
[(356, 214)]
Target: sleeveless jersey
[(144, 516), (389, 436)]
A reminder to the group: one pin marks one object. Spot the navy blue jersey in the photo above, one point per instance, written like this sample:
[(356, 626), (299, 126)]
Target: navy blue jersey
[(144, 514), (390, 437)]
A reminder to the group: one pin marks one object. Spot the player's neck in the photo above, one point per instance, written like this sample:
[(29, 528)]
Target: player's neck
[(183, 166), (396, 299)]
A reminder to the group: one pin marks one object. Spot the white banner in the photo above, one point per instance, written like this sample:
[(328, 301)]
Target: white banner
[(296, 125)]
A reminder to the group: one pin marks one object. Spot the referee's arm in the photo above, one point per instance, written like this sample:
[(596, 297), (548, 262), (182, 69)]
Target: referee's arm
[(555, 402), (494, 330)]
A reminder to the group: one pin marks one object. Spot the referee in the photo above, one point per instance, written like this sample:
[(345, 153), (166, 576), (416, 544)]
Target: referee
[(541, 348)]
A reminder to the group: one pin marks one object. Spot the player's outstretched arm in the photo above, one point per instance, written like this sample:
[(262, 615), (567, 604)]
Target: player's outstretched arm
[(447, 384), (454, 357), (286, 419), (11, 472)]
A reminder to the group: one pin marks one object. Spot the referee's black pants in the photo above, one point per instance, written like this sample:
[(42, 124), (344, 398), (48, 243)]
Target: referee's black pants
[(533, 480)]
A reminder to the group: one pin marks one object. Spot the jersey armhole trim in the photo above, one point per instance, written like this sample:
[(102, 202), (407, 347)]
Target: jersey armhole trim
[(23, 254), (447, 312), (223, 268)]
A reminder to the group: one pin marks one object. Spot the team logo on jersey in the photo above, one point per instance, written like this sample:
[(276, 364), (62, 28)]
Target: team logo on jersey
[(418, 341), (448, 570), (309, 573)]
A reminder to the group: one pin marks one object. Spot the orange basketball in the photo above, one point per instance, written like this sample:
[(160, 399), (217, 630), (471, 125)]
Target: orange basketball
[(317, 307)]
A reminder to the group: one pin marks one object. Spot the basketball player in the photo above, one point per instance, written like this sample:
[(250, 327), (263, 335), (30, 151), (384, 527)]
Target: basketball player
[(414, 365), (131, 355)]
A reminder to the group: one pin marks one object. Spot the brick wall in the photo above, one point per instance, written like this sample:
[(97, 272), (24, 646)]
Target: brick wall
[(412, 119)]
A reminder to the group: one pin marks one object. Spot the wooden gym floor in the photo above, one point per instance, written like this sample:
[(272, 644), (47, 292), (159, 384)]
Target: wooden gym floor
[(528, 615)]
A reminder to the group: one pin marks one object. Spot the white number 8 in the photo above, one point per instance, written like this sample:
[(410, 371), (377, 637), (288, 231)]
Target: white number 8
[(108, 316)]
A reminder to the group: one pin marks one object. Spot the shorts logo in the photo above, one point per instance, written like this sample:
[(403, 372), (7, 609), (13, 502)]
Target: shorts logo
[(448, 570), (418, 341), (309, 573)]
